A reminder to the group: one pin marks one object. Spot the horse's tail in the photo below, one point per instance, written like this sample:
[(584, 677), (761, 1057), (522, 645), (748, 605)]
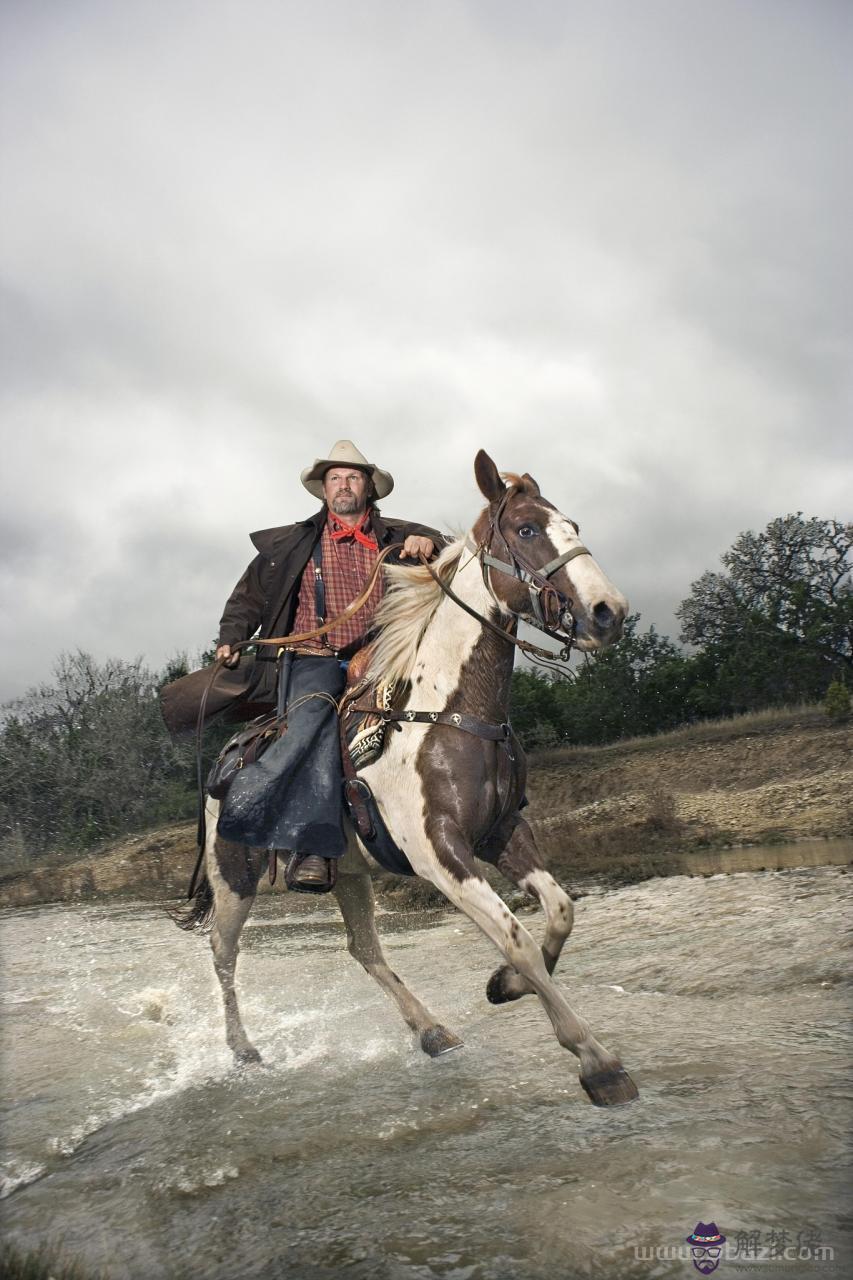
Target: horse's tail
[(200, 910)]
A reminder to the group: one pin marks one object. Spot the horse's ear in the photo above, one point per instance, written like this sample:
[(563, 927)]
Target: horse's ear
[(531, 486), (488, 477)]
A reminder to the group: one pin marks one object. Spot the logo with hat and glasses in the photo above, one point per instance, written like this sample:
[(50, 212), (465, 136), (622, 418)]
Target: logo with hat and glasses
[(706, 1244)]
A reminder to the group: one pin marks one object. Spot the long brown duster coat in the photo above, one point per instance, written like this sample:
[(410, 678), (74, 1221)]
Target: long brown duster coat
[(264, 601)]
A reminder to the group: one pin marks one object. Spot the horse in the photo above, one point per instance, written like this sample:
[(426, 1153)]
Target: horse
[(451, 794)]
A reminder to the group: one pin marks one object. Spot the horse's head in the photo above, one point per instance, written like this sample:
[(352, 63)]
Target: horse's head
[(536, 566)]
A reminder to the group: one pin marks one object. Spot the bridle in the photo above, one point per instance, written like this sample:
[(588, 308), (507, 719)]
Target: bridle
[(545, 598), (548, 604)]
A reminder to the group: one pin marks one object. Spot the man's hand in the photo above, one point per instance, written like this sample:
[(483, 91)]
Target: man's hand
[(414, 545), (224, 651)]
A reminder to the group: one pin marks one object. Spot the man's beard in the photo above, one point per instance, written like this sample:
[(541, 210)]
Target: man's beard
[(346, 504)]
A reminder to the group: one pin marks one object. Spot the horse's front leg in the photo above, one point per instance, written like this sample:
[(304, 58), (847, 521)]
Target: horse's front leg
[(519, 860), (354, 893), (233, 871), (447, 861)]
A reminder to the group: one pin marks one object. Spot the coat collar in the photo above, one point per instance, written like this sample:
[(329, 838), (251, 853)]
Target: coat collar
[(269, 541)]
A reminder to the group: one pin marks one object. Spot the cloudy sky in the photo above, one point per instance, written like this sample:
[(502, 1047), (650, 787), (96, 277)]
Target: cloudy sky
[(608, 241)]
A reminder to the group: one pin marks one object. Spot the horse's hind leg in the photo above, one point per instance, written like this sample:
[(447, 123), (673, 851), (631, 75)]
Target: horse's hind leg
[(355, 898), (233, 871), (520, 862)]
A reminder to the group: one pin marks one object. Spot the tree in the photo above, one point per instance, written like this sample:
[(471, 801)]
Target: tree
[(88, 756), (778, 623), (793, 580), (536, 709), (640, 686)]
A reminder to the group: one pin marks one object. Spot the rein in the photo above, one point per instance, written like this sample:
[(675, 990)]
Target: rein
[(537, 581), (538, 584), (358, 603), (525, 645)]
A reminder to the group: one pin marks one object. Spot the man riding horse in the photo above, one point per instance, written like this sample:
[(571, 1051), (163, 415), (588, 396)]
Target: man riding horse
[(303, 574)]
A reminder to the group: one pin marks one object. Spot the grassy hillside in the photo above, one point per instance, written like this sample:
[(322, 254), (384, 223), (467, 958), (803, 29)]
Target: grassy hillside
[(616, 814)]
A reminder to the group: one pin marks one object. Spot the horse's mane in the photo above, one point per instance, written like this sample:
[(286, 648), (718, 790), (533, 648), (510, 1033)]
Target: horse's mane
[(411, 599)]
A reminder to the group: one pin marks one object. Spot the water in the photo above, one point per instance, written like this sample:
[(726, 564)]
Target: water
[(769, 857), (128, 1135)]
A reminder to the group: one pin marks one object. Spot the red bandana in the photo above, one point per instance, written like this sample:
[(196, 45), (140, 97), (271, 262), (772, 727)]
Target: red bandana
[(339, 531)]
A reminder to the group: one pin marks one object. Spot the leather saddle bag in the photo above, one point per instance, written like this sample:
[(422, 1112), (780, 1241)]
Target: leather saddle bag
[(246, 747)]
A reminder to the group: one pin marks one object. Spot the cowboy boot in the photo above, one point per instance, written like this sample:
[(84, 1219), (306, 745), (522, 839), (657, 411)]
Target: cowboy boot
[(309, 873)]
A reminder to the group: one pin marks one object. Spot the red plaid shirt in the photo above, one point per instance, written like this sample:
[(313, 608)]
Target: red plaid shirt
[(346, 567)]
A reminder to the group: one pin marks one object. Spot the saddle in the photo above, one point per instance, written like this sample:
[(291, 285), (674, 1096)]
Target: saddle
[(363, 732)]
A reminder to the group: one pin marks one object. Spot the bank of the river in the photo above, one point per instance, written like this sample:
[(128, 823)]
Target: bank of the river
[(651, 806), (660, 805)]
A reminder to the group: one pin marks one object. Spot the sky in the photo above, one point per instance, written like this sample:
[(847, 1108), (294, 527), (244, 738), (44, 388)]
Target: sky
[(607, 242)]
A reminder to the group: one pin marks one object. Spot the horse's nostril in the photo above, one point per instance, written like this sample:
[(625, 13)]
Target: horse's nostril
[(604, 615)]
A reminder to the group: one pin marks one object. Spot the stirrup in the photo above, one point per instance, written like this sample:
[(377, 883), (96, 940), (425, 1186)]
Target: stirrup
[(315, 879)]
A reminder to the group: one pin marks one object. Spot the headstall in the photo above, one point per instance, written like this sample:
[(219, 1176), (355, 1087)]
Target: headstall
[(548, 604)]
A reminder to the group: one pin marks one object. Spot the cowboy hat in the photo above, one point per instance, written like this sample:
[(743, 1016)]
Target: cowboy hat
[(343, 453)]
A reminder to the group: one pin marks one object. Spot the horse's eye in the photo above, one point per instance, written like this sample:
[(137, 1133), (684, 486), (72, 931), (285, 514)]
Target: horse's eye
[(528, 531)]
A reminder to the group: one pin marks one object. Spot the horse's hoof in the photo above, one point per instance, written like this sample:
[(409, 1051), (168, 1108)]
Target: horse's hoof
[(610, 1088), (438, 1040), (497, 989), (248, 1057)]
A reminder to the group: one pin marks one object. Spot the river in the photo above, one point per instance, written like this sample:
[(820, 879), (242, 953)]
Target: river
[(128, 1137)]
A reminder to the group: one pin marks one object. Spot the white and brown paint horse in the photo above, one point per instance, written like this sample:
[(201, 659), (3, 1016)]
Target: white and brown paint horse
[(444, 793)]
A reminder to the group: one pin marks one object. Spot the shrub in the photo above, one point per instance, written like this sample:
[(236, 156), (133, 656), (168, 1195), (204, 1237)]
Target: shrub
[(836, 704)]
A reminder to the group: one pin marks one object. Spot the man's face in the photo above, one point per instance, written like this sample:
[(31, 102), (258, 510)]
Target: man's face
[(345, 491)]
